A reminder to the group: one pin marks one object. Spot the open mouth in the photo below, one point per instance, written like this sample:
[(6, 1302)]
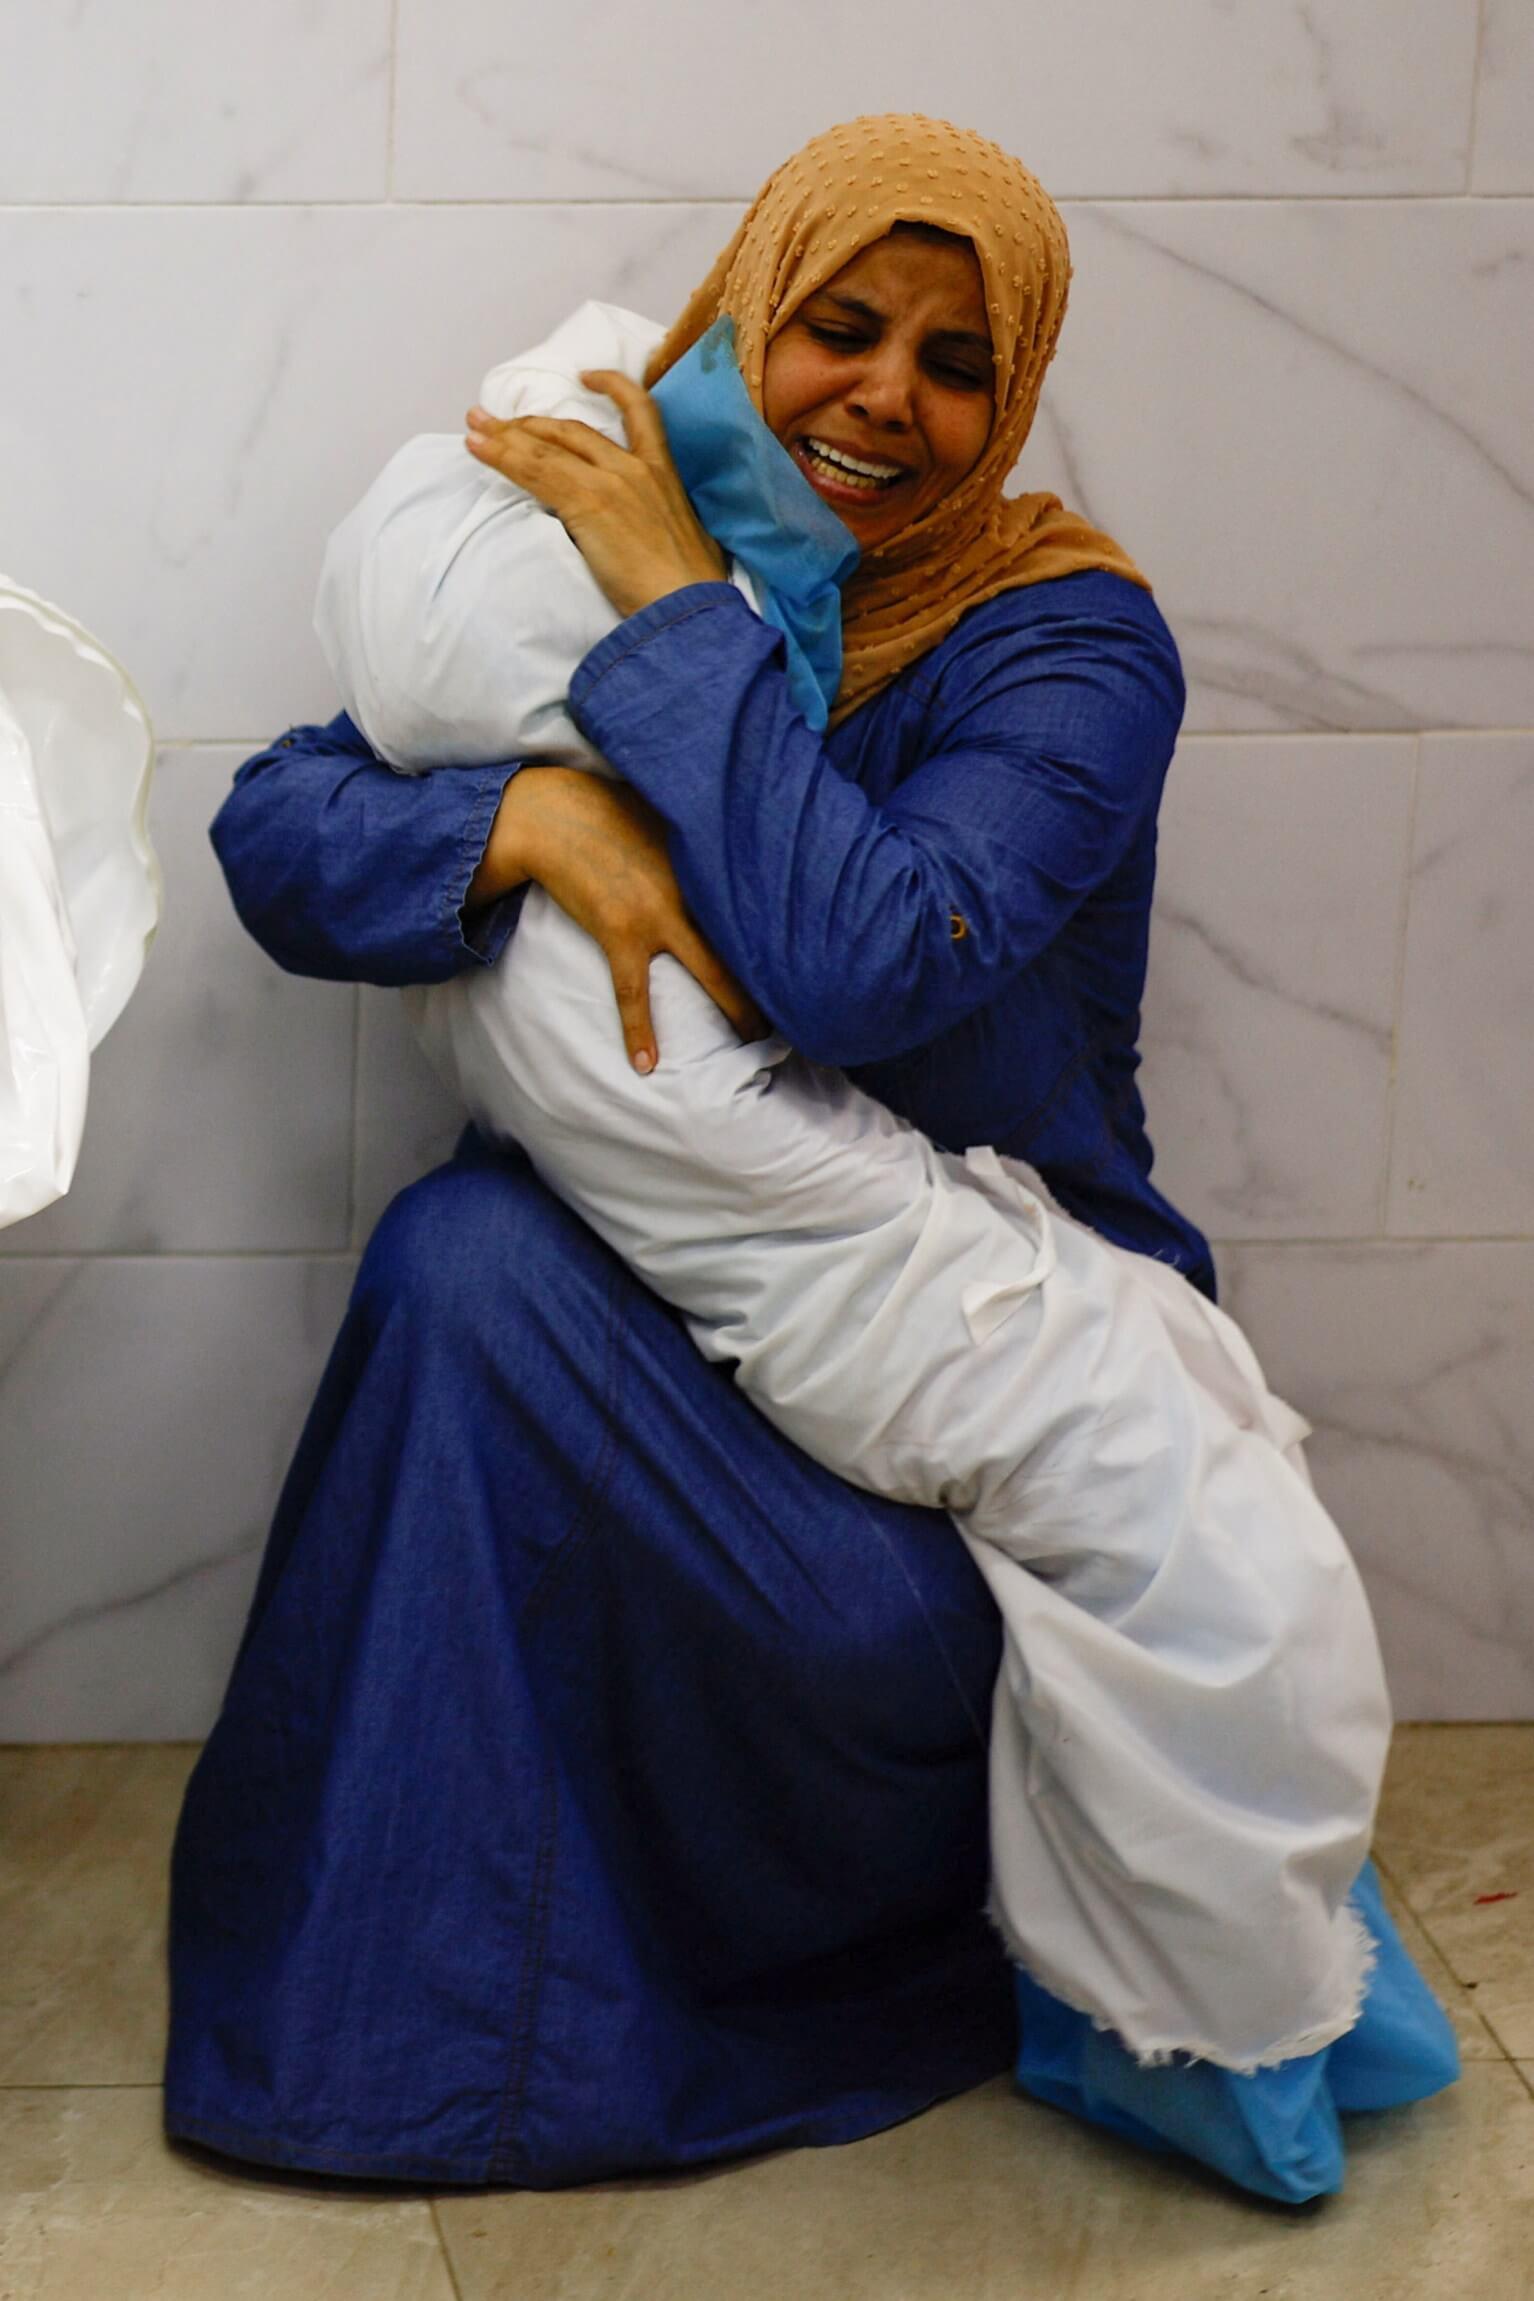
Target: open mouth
[(835, 472)]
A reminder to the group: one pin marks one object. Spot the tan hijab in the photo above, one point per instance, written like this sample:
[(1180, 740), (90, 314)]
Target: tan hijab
[(820, 209)]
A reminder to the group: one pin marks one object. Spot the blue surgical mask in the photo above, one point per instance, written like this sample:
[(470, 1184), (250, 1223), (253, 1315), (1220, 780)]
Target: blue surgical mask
[(758, 506)]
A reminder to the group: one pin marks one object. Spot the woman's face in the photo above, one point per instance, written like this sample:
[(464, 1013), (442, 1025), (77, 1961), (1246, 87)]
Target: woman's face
[(889, 364)]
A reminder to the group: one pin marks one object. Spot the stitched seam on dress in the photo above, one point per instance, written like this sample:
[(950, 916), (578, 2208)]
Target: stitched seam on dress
[(507, 2143), (584, 1516), (1041, 1110)]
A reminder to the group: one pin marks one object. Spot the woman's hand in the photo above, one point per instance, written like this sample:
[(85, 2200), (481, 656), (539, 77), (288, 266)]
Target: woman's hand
[(600, 850), (625, 508)]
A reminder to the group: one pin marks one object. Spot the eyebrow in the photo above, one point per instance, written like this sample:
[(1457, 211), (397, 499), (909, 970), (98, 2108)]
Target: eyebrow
[(871, 312)]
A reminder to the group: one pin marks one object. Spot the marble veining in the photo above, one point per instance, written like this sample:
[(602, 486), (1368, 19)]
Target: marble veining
[(1269, 1007), (1465, 1097), (1335, 496), (148, 1408), (221, 1104), (307, 345), (1115, 101), (407, 1121), (1503, 158), (1295, 382), (170, 100), (1415, 1363)]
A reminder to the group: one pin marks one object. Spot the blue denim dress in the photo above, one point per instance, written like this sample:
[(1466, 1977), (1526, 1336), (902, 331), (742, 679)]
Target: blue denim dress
[(601, 1784)]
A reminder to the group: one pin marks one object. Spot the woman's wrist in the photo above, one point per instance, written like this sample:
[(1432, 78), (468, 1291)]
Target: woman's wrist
[(507, 860)]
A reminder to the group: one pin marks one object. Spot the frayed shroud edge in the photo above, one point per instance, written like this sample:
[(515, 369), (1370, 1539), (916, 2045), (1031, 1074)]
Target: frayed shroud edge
[(1362, 1954)]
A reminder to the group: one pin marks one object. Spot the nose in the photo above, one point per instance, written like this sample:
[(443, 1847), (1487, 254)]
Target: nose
[(883, 391)]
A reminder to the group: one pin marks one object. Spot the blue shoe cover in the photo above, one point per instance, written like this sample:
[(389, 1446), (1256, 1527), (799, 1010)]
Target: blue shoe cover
[(1275, 2132), (1403, 2047)]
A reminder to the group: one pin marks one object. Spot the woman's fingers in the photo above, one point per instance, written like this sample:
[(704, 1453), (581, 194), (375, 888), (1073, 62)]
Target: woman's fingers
[(624, 507), (630, 970), (629, 966), (553, 459), (600, 850), (740, 1010), (641, 417), (581, 440)]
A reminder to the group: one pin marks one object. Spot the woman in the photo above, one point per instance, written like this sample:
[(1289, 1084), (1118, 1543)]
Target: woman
[(467, 1888)]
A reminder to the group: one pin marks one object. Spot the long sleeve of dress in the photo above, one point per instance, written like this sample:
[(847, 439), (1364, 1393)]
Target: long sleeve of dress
[(340, 868), (869, 915)]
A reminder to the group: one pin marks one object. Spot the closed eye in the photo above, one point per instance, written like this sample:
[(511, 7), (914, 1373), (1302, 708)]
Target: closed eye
[(956, 372), (959, 374)]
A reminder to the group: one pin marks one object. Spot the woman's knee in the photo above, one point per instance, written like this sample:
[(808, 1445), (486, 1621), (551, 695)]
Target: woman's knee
[(481, 1239)]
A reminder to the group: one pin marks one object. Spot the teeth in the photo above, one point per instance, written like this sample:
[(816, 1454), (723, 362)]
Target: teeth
[(841, 461)]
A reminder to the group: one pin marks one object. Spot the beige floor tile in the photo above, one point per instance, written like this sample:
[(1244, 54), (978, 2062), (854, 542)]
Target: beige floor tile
[(1476, 2042), (994, 2199), (93, 2205), (84, 1841), (1457, 1835)]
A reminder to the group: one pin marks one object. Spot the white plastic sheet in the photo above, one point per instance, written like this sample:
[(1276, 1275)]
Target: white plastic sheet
[(80, 889)]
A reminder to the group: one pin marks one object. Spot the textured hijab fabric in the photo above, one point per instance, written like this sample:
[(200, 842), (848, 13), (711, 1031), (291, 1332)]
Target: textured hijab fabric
[(845, 190)]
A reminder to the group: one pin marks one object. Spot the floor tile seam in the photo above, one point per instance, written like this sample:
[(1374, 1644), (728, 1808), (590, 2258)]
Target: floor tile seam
[(445, 2249), (1470, 2007), (1501, 2043), (79, 2085), (1421, 1918)]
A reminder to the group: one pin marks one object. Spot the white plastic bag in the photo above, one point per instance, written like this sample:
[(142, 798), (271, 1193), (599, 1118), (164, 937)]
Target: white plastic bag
[(80, 889)]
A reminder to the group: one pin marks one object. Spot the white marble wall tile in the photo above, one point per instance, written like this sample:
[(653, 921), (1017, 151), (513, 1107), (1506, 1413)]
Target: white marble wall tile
[(220, 1111), (1112, 99), (148, 1410), (1416, 1364), (1463, 1160), (195, 397), (1269, 1007), (1309, 423), (175, 100), (407, 1122), (1503, 157)]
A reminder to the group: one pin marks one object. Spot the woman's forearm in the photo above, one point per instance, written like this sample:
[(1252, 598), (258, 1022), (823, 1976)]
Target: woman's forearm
[(342, 869), (869, 913)]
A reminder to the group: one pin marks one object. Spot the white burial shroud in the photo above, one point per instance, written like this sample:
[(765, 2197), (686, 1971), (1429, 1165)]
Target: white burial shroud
[(80, 889)]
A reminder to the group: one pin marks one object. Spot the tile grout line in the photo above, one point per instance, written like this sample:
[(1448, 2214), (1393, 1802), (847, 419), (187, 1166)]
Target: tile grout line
[(1346, 1239), (79, 2085), (393, 104), (249, 744), (445, 2250), (16, 1258), (1496, 2037), (1398, 1886), (1444, 197), (1475, 97)]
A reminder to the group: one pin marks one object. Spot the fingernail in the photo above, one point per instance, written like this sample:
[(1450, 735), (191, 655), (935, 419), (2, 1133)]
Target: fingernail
[(644, 1061)]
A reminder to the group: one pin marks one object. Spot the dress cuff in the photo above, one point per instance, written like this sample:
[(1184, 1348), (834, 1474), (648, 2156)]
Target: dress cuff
[(484, 934)]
